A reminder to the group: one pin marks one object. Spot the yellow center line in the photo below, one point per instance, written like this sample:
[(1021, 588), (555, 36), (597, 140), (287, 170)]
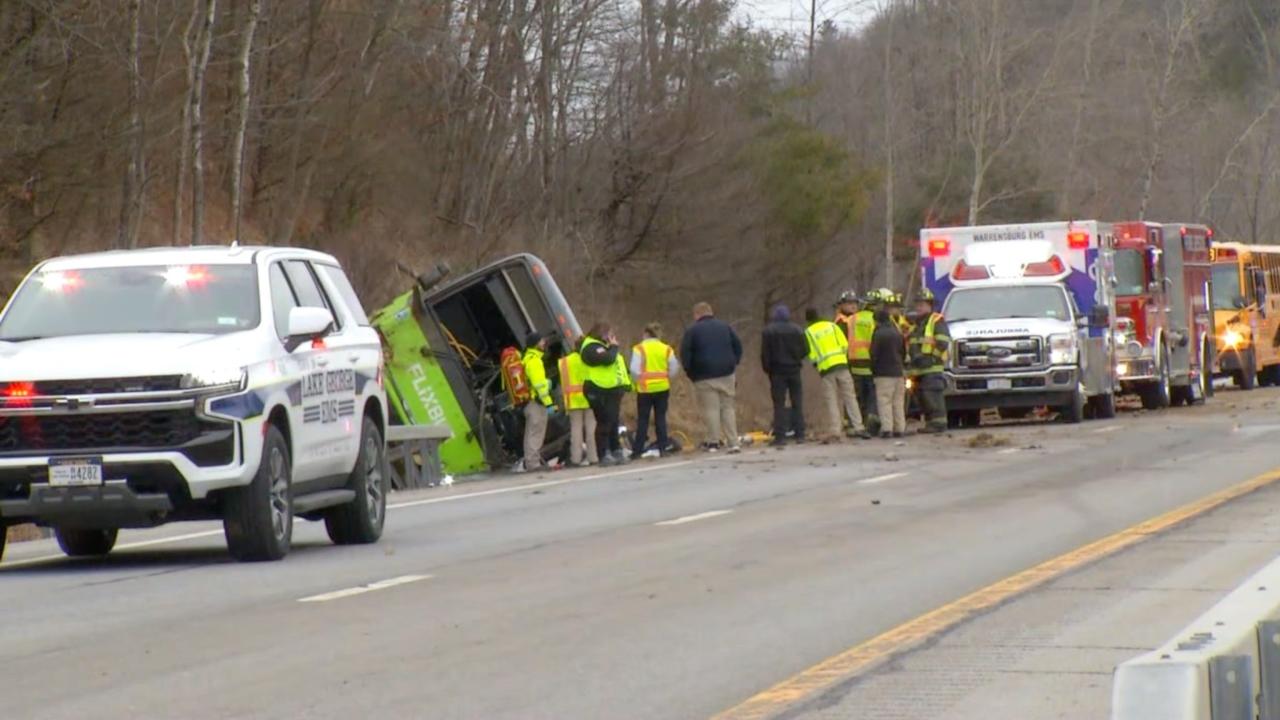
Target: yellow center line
[(913, 633)]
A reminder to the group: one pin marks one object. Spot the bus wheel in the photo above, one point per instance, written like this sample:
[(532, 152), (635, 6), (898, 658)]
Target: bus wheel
[(1249, 372)]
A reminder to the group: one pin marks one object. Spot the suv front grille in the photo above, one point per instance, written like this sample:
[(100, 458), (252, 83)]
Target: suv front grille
[(159, 429), (999, 354), (105, 386)]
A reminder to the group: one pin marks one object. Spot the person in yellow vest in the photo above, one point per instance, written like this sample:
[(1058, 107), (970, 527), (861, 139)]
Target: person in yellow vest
[(859, 322), (927, 350), (829, 353), (582, 422), (607, 381), (653, 367), (535, 411)]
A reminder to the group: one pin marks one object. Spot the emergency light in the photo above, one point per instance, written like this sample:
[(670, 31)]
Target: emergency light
[(1078, 240), (939, 247)]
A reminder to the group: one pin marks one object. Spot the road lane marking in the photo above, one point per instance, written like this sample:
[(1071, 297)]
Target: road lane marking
[(122, 546), (912, 634), (537, 485), (882, 478), (362, 589), (1008, 451), (694, 518), (1107, 429), (5, 565)]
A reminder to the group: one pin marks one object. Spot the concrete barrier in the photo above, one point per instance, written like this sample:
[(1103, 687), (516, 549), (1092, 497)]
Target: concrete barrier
[(1223, 666)]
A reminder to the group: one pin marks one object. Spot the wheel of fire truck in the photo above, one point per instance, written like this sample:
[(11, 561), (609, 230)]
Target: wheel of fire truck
[(1073, 412), (1206, 369), (1158, 394)]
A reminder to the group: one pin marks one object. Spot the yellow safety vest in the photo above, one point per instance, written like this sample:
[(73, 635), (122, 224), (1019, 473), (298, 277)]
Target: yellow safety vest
[(537, 374), (572, 374), (926, 342), (864, 326), (607, 377), (655, 359), (828, 347)]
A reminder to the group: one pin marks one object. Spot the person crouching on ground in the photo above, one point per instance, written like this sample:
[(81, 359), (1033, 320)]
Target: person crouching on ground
[(888, 361)]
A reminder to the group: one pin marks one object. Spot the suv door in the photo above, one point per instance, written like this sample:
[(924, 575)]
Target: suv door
[(355, 345), (307, 364)]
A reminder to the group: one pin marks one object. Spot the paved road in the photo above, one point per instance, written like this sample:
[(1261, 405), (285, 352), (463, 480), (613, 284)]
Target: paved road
[(658, 592)]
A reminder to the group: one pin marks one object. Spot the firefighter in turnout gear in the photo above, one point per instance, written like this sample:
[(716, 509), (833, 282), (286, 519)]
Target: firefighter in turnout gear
[(927, 350), (861, 328), (540, 399), (829, 353)]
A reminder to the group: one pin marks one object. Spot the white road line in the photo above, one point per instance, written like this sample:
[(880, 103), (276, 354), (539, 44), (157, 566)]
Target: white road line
[(411, 503), (882, 478), (1008, 451), (1107, 429), (694, 518), (362, 589), (534, 486), (122, 546)]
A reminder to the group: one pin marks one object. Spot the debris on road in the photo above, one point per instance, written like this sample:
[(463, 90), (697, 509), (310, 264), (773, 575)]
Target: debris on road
[(987, 440)]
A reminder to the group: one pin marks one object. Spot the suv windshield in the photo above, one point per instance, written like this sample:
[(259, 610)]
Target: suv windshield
[(207, 299), (1226, 285), (1131, 272), (1036, 301)]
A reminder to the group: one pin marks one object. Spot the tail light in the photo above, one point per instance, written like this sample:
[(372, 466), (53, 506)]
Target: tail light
[(20, 390), (1052, 266)]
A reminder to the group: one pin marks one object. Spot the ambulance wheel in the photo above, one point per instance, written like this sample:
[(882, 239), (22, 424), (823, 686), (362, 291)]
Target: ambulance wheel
[(85, 543), (360, 521), (1073, 412)]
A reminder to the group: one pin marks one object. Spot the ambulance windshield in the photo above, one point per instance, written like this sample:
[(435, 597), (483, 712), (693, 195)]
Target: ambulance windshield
[(997, 303)]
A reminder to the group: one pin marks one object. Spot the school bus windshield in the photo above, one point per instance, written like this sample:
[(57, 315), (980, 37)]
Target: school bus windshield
[(1226, 285)]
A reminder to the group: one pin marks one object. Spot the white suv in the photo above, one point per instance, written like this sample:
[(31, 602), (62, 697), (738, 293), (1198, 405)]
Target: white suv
[(148, 386)]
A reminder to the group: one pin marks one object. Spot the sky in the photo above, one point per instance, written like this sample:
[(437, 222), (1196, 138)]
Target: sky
[(793, 15)]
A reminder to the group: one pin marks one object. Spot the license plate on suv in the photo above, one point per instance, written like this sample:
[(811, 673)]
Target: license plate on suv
[(75, 472), (999, 384)]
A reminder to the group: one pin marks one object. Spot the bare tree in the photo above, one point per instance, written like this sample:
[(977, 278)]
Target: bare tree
[(189, 37), (135, 172), (243, 99), (201, 59)]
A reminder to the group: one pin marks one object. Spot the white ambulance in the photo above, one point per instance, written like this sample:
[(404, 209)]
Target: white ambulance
[(1031, 310)]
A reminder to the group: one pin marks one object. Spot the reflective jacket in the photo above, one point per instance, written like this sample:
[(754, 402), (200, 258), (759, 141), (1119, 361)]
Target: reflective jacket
[(828, 347), (864, 326), (928, 345), (536, 371), (609, 374), (653, 365), (573, 373)]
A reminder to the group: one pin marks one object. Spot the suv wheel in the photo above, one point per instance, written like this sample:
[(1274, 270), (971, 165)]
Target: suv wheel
[(258, 518), (4, 535), (85, 543), (361, 520)]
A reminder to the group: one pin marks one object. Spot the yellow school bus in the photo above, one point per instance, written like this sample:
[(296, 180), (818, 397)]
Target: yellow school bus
[(1246, 312)]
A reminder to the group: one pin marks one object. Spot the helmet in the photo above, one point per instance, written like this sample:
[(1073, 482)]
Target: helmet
[(894, 299), (925, 295), (848, 296)]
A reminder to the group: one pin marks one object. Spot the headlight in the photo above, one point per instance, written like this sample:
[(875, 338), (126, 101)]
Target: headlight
[(216, 379), (1122, 369), (1062, 349), (1232, 339)]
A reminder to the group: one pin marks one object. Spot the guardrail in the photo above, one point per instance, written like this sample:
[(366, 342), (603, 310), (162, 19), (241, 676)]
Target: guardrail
[(413, 454), (1224, 666)]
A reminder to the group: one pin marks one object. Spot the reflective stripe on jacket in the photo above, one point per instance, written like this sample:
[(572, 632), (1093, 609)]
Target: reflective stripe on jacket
[(864, 326), (928, 347)]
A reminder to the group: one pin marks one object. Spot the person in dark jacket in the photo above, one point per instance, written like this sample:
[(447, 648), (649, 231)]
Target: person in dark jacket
[(710, 352), (607, 381), (888, 361), (783, 350)]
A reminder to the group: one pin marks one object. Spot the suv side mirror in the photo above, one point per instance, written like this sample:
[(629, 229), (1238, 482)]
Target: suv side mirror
[(307, 323)]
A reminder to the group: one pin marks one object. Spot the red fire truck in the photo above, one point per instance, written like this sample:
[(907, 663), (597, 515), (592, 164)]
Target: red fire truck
[(1165, 318)]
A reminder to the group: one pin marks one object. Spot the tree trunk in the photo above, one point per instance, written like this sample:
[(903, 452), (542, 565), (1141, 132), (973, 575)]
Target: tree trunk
[(243, 99), (131, 197), (197, 122), (1086, 81), (184, 143)]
